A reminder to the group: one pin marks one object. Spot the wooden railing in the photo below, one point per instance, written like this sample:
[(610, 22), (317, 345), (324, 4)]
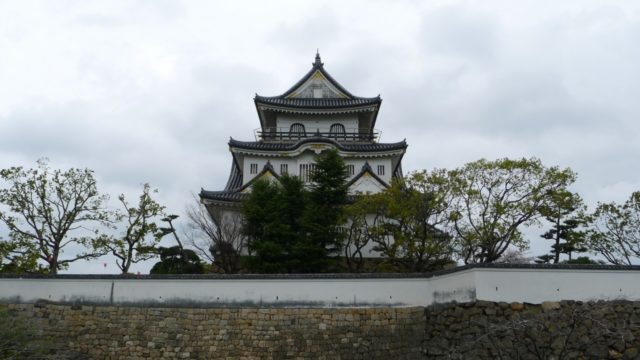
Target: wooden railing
[(284, 135)]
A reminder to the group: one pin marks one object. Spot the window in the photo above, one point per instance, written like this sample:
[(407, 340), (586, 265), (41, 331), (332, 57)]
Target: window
[(254, 169), (337, 130), (306, 170), (380, 169), (351, 170), (297, 131), (284, 169)]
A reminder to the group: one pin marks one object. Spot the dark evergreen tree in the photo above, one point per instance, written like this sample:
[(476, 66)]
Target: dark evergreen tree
[(564, 210), (272, 222), (324, 214), (176, 260), (292, 228)]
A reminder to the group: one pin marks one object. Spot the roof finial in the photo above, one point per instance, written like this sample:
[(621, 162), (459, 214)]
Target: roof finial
[(318, 62)]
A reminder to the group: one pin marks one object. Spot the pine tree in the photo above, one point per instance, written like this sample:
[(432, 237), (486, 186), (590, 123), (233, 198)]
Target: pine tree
[(565, 211)]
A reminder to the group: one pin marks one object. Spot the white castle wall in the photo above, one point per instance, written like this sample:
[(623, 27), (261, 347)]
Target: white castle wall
[(313, 123), (521, 284), (307, 157)]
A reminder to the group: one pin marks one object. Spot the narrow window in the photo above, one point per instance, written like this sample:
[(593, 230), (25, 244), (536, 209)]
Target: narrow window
[(380, 169), (297, 131), (254, 169), (351, 170), (337, 131), (284, 169), (306, 171)]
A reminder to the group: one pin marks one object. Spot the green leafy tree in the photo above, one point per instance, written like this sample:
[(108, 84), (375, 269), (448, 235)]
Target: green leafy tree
[(565, 211), (410, 230), (141, 234), (615, 231), (493, 199), (51, 210), (15, 260)]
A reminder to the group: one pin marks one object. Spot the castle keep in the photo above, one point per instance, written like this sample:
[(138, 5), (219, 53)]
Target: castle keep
[(314, 115)]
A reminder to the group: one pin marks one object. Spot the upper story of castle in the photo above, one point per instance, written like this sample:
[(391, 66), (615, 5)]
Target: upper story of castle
[(317, 106)]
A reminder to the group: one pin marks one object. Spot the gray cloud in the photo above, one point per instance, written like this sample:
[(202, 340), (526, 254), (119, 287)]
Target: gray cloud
[(150, 91)]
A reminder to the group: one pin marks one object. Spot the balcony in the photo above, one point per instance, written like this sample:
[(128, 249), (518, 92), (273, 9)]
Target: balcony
[(286, 135)]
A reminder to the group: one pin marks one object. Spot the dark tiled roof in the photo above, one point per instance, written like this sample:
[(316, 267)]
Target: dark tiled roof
[(305, 103), (227, 196), (398, 171), (235, 196), (358, 147), (235, 177)]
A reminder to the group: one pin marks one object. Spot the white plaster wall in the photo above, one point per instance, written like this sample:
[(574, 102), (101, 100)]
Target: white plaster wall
[(309, 157), (314, 122), (64, 290), (366, 184), (292, 292), (504, 284), (536, 285), (246, 167), (459, 287)]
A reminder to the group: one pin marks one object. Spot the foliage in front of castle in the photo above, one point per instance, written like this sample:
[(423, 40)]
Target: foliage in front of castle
[(425, 221)]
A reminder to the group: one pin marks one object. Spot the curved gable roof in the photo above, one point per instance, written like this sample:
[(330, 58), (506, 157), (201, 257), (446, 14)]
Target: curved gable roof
[(338, 96)]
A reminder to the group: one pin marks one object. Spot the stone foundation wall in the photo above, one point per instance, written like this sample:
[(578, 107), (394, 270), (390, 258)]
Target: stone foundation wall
[(105, 332), (478, 330), (552, 330)]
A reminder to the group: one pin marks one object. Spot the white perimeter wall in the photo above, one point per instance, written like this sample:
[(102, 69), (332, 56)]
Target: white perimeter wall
[(491, 284)]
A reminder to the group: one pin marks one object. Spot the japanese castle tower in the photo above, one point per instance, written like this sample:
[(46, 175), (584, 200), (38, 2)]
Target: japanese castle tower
[(315, 114)]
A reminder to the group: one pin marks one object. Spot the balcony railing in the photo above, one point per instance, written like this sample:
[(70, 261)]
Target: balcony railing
[(285, 135)]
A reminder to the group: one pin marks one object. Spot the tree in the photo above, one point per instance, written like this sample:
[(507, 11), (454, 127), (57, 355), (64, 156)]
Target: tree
[(324, 214), (49, 211), (615, 231), (565, 210), (359, 220), (176, 259), (272, 215), (410, 231), (16, 260), (141, 234), (515, 256), (294, 229), (493, 199), (217, 236)]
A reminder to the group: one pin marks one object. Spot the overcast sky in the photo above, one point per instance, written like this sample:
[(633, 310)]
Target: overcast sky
[(151, 91)]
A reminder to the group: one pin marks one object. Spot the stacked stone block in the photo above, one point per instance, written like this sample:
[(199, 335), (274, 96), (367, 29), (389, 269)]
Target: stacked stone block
[(551, 330), (107, 332)]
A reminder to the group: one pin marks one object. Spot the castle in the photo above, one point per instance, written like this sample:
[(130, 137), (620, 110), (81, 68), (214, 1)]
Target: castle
[(314, 115)]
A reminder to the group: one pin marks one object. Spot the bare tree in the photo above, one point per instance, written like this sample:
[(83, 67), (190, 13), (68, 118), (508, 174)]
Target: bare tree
[(217, 236), (357, 235)]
